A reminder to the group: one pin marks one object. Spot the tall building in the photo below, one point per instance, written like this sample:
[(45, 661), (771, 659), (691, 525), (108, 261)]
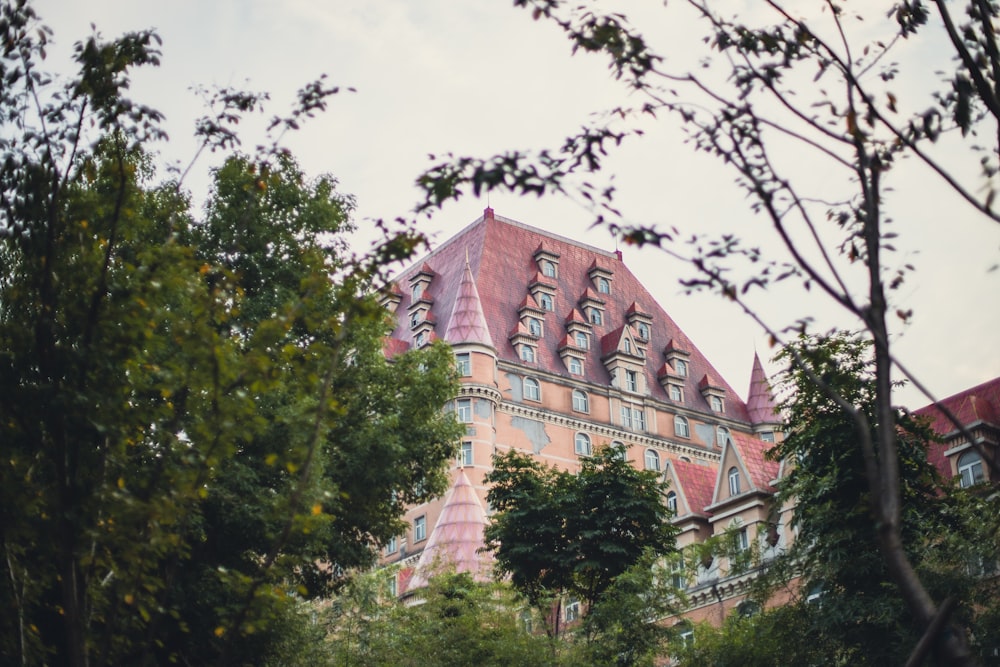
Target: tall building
[(561, 350)]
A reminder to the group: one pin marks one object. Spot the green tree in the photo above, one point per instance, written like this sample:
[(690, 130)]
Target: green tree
[(778, 78), (555, 532), (198, 425)]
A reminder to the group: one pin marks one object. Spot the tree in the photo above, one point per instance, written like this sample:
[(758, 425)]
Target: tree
[(555, 532), (755, 93), (198, 425), (862, 613)]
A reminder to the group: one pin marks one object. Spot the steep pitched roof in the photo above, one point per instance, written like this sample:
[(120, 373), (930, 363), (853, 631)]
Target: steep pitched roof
[(751, 450), (467, 323), (696, 483), (976, 405), (457, 537), (501, 258), (760, 400), (393, 346)]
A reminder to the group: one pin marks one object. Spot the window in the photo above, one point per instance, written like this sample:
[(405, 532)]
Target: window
[(619, 448), (392, 546), (604, 285), (463, 410), (748, 609), (572, 610), (741, 541), (631, 380), (532, 390), (465, 454), (419, 340), (575, 366), (420, 528), (652, 460), (527, 353), (672, 502), (581, 402), (526, 621), (970, 469), (677, 577), (626, 417), (639, 419), (685, 633), (416, 292), (415, 318), (581, 340), (734, 481), (721, 436), (681, 367), (676, 393), (582, 444), (549, 269), (681, 427), (463, 363), (534, 326), (595, 316), (546, 302), (628, 346), (643, 330), (767, 436), (715, 403)]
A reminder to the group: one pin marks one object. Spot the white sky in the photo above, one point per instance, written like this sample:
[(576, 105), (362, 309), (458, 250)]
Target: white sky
[(476, 77)]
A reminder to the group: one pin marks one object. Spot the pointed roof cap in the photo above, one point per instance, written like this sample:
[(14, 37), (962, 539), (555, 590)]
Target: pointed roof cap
[(457, 537), (468, 323), (760, 402)]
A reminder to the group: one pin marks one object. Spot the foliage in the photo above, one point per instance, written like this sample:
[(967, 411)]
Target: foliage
[(456, 622), (557, 532), (812, 83), (199, 427)]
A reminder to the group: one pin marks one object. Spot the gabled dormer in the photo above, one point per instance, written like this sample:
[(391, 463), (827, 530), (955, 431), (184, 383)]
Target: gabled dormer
[(678, 359), (543, 291), (671, 382), (571, 354), (744, 470), (419, 283), (600, 277), (579, 329), (624, 361), (690, 487), (390, 296), (524, 343), (422, 323), (640, 321), (714, 393), (547, 261), (592, 306)]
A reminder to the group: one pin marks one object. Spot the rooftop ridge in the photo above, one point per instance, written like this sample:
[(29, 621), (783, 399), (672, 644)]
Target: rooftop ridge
[(564, 239)]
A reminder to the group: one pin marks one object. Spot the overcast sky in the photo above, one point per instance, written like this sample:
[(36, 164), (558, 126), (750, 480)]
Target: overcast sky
[(476, 77)]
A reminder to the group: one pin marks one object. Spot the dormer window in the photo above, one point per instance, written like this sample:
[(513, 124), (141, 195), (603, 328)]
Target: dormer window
[(676, 393), (416, 292), (715, 403), (545, 301), (603, 285), (528, 354), (534, 326), (419, 339), (681, 367), (734, 481), (642, 329), (415, 318), (628, 346), (631, 381), (581, 340), (970, 469), (595, 316), (548, 269), (575, 366)]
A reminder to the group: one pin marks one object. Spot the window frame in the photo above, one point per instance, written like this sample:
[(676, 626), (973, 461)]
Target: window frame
[(973, 465), (548, 269), (465, 453), (463, 364), (716, 404), (581, 340), (577, 363), (545, 301), (652, 460), (603, 285), (722, 435), (420, 528), (463, 409), (676, 393), (595, 316), (735, 487), (582, 445), (642, 329), (631, 380), (682, 427), (532, 389), (392, 546), (681, 368), (527, 354), (535, 326), (581, 401), (672, 501)]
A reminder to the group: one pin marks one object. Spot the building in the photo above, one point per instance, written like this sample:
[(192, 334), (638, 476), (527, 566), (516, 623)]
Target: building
[(561, 350)]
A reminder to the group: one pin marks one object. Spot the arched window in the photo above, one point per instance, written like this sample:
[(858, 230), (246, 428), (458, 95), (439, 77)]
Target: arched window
[(575, 366), (595, 316), (603, 286), (681, 367), (652, 460), (672, 502), (722, 436), (681, 427), (676, 393), (715, 403), (581, 402), (628, 346), (549, 269), (643, 330), (582, 444), (532, 390), (619, 448), (545, 301), (734, 481), (970, 469), (534, 326), (581, 340), (527, 353)]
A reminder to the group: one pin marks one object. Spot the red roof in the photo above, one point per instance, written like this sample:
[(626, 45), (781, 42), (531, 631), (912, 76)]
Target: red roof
[(751, 450), (696, 482), (467, 323), (501, 259), (979, 404), (393, 346), (760, 400)]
